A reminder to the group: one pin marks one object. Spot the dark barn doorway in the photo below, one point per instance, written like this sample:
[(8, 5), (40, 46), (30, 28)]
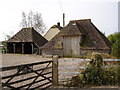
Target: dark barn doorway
[(10, 48), (27, 48), (18, 48)]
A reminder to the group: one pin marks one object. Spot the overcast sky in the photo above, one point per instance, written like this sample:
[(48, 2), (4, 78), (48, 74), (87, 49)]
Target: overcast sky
[(103, 13)]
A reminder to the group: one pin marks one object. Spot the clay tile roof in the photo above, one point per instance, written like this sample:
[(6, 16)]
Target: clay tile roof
[(92, 37), (28, 35)]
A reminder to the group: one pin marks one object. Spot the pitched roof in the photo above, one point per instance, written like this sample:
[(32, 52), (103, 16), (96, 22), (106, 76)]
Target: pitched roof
[(92, 37), (55, 29), (54, 26), (28, 35)]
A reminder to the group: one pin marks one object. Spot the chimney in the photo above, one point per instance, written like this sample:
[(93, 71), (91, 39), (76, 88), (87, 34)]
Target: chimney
[(58, 24), (63, 19)]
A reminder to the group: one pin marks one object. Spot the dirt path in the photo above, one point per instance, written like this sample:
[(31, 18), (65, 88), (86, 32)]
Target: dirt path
[(18, 59)]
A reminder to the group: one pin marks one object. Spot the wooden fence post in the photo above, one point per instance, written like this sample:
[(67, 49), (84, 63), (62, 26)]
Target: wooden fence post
[(55, 70)]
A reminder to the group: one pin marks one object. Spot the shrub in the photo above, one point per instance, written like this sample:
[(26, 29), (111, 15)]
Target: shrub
[(76, 81), (96, 74), (116, 49), (111, 76)]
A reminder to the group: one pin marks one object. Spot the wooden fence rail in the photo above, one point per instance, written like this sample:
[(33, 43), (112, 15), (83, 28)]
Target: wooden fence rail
[(30, 76), (74, 66)]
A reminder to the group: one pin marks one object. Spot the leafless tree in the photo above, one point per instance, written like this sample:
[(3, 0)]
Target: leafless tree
[(33, 20), (24, 20)]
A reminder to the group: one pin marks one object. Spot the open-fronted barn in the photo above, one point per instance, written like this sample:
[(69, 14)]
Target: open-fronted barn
[(78, 38), (26, 41)]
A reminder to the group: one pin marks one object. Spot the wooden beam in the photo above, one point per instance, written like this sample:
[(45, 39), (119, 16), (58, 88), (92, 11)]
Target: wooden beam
[(55, 70)]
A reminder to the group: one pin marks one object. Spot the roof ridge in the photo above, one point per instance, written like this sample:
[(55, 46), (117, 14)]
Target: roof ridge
[(28, 28), (80, 20)]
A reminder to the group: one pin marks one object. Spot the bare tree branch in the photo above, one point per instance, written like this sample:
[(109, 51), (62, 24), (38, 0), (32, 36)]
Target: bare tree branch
[(33, 20), (24, 20)]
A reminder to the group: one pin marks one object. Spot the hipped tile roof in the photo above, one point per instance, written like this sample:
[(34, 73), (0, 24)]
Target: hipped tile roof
[(28, 35), (92, 37)]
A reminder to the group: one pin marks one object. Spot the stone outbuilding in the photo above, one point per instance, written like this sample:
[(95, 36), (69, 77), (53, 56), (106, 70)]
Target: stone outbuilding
[(26, 41), (78, 38)]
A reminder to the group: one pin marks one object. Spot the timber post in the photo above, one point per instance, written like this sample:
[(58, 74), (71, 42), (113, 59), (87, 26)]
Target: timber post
[(22, 48), (6, 48), (32, 47), (55, 70), (14, 48)]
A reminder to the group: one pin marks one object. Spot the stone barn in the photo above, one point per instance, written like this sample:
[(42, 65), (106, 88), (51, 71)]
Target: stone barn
[(78, 38), (26, 41)]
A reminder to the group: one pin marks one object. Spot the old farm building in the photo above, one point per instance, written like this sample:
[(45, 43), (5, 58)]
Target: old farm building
[(26, 41), (55, 29), (78, 38)]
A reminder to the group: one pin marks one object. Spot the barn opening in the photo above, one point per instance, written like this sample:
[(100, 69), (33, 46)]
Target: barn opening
[(27, 48), (22, 48)]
